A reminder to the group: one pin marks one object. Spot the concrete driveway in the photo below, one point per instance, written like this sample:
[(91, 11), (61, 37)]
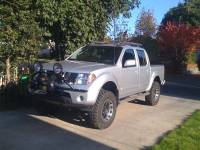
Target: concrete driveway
[(137, 126)]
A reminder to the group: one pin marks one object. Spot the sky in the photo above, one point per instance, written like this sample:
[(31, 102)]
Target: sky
[(159, 8)]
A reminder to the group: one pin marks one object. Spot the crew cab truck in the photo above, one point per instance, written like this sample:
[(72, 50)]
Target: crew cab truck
[(96, 77)]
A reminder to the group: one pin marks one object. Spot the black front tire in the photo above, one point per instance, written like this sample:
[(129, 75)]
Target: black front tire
[(154, 96), (98, 117)]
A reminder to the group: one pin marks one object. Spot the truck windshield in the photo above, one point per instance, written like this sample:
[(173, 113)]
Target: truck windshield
[(99, 54)]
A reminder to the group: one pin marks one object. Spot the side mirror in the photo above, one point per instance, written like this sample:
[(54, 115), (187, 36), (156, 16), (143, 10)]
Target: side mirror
[(130, 63)]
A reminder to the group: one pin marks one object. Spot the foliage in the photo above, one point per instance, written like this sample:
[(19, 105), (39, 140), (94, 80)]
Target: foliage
[(20, 35), (191, 57), (187, 13), (14, 95), (185, 137), (75, 23), (146, 24), (175, 40), (24, 24), (2, 67), (9, 97)]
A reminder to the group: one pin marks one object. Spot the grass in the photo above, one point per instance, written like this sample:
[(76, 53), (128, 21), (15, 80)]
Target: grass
[(186, 137)]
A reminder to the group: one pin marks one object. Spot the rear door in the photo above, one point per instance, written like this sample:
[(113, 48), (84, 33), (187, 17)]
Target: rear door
[(144, 69)]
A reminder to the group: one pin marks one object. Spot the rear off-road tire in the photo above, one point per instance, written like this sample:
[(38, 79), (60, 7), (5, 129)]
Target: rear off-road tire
[(154, 96)]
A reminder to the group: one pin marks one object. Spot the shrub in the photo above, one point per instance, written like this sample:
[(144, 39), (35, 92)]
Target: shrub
[(191, 57)]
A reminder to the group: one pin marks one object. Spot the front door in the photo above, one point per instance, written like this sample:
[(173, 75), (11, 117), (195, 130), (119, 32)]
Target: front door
[(129, 75)]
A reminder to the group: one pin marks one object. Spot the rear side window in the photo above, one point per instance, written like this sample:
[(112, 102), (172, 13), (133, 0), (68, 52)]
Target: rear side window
[(142, 57)]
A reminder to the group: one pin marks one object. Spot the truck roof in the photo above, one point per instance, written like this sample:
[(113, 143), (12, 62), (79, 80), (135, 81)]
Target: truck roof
[(118, 44)]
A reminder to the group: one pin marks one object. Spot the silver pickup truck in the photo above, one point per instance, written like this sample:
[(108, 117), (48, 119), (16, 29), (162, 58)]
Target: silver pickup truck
[(96, 77)]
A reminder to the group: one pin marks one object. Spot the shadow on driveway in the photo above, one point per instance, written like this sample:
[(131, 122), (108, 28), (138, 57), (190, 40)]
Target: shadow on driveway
[(20, 131)]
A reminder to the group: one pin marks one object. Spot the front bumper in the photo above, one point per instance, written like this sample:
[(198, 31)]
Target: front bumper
[(71, 98), (45, 89)]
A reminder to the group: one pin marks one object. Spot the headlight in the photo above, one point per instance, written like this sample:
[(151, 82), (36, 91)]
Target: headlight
[(37, 67), (84, 78), (57, 68), (79, 78)]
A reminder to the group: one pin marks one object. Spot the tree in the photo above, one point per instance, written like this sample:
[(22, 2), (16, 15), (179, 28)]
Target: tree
[(145, 24), (75, 23), (68, 22), (20, 35), (187, 13), (175, 40)]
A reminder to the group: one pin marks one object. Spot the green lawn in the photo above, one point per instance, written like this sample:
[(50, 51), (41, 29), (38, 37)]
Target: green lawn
[(187, 137)]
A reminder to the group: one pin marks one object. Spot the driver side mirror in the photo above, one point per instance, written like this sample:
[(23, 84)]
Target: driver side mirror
[(130, 63)]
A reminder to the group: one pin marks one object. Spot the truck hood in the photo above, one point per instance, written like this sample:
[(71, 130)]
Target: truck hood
[(76, 66)]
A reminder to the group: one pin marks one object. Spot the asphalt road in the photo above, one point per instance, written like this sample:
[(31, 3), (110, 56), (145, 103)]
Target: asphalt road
[(137, 126)]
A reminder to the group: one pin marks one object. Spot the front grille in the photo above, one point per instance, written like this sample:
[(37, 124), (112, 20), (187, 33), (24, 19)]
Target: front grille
[(49, 82), (70, 77)]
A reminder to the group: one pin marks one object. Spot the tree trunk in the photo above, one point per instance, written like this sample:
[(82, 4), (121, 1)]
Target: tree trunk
[(8, 73)]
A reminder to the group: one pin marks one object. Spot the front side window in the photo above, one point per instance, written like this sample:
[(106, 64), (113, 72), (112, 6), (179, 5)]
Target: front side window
[(142, 57), (99, 54), (128, 55)]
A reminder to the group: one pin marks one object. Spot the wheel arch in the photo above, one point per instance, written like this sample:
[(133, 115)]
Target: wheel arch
[(106, 81), (153, 78), (112, 87), (157, 78)]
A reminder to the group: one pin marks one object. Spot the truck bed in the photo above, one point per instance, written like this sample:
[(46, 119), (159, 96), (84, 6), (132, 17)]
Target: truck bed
[(159, 70)]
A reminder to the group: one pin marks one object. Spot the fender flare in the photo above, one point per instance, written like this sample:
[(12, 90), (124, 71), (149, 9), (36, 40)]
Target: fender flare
[(97, 85), (153, 77)]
